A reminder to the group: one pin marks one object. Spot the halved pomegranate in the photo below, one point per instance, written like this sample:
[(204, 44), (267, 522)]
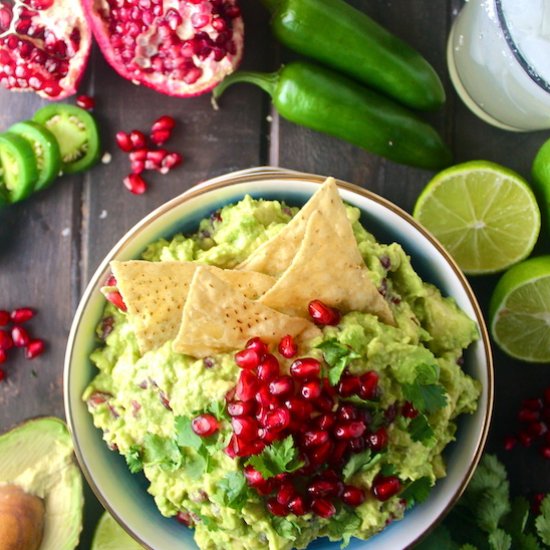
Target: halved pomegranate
[(177, 47), (44, 46)]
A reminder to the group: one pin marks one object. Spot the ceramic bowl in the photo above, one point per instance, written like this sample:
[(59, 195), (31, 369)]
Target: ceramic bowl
[(125, 495)]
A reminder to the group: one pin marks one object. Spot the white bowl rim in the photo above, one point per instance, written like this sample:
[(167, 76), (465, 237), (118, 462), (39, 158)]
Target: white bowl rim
[(265, 173)]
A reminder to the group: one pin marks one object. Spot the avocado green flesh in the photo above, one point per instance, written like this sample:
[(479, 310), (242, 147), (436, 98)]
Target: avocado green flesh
[(38, 457), (430, 329)]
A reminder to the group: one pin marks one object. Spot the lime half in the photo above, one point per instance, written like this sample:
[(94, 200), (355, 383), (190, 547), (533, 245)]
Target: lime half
[(484, 214), (541, 180), (520, 311), (109, 535)]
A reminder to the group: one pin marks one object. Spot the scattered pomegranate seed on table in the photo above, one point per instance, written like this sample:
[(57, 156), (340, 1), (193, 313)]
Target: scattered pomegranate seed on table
[(135, 184), (85, 102)]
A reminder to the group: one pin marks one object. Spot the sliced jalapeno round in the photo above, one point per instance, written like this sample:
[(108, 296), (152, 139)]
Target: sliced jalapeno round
[(46, 150), (18, 171), (76, 133)]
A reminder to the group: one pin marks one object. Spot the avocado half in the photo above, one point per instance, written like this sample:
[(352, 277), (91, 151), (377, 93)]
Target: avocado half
[(41, 497)]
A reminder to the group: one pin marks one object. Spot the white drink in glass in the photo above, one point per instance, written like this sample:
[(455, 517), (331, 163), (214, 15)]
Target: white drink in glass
[(498, 55)]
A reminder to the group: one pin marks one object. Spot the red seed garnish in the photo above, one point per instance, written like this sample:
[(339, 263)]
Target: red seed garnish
[(6, 341), (159, 137), (353, 496), (247, 386), (3, 356), (510, 442), (287, 347), (350, 430), (21, 315), (408, 411), (306, 367), (377, 440), (245, 427), (528, 415), (277, 420), (171, 160), (137, 139), (34, 348), (286, 493), (165, 122), (545, 452), (268, 369), (247, 358), (116, 299), (124, 142), (276, 508), (20, 337), (4, 318), (85, 102), (315, 438), (240, 408), (205, 425), (385, 487), (297, 506), (368, 385), (311, 390), (282, 386), (323, 508), (323, 314), (348, 385), (135, 184), (257, 344)]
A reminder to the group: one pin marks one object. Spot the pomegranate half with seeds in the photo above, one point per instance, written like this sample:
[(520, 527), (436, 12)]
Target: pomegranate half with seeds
[(177, 47), (44, 46)]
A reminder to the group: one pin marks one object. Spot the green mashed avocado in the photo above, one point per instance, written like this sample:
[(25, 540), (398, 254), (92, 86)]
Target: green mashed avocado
[(144, 404)]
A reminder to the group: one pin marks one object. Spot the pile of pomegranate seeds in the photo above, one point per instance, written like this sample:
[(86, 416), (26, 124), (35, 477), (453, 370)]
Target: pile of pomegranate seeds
[(534, 417), (268, 406), (143, 157), (13, 335)]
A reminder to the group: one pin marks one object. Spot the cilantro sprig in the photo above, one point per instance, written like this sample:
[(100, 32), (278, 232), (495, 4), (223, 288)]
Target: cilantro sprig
[(337, 357), (279, 457)]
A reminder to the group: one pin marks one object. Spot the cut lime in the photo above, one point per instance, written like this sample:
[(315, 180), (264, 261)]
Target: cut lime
[(541, 180), (484, 214), (519, 313), (109, 535)]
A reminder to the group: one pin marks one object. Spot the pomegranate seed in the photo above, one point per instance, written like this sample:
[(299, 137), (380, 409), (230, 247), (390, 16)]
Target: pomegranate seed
[(323, 314), (525, 439), (116, 299), (348, 385), (268, 369), (338, 452), (266, 400), (268, 436), (537, 501), (347, 412), (258, 345), (163, 123), (368, 385), (297, 506), (138, 154), (4, 318), (3, 356), (323, 508), (184, 518), (240, 408), (408, 411), (536, 429), (300, 409), (135, 184), (171, 160), (159, 137), (286, 493), (533, 404), (276, 508), (34, 348), (320, 454), (205, 425), (246, 386), (357, 445), (350, 430), (546, 396), (510, 442), (378, 440), (156, 157), (384, 487), (247, 358), (85, 102), (311, 390), (20, 315), (282, 386), (325, 421), (307, 367), (6, 341), (137, 139), (245, 427), (353, 496), (528, 415), (545, 452), (137, 166), (324, 403), (20, 337), (253, 477), (322, 488), (287, 347), (2, 375), (277, 420), (315, 438)]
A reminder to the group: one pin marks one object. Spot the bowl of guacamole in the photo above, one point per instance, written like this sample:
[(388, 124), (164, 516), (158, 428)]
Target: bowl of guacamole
[(277, 360)]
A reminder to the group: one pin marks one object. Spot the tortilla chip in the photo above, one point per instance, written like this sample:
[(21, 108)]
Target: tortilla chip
[(327, 267), (155, 293), (219, 318), (275, 255)]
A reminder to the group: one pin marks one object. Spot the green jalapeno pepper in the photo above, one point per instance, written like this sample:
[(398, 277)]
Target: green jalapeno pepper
[(328, 102), (346, 39)]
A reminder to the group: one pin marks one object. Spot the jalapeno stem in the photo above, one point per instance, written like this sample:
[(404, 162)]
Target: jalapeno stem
[(266, 81)]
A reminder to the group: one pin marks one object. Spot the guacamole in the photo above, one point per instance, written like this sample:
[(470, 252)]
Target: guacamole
[(145, 403)]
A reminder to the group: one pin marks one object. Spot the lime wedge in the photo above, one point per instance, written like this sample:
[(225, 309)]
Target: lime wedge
[(519, 313), (109, 535), (484, 214)]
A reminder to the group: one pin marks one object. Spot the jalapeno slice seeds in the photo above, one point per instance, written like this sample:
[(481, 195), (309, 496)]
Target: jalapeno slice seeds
[(76, 133), (18, 171), (46, 151)]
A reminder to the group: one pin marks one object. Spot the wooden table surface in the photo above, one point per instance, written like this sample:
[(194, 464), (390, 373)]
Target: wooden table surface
[(51, 244)]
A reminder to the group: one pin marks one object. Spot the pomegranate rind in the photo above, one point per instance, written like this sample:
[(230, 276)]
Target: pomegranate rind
[(213, 72), (64, 15)]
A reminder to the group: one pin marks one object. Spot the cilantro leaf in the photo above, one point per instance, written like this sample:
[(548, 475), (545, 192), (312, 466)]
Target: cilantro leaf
[(360, 462), (133, 459), (500, 540), (185, 436), (162, 451), (342, 525), (218, 409), (286, 528), (388, 469), (195, 466), (232, 491), (542, 523), (279, 457), (438, 539), (516, 520), (427, 373), (420, 430), (417, 491), (426, 398), (338, 357), (209, 523)]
